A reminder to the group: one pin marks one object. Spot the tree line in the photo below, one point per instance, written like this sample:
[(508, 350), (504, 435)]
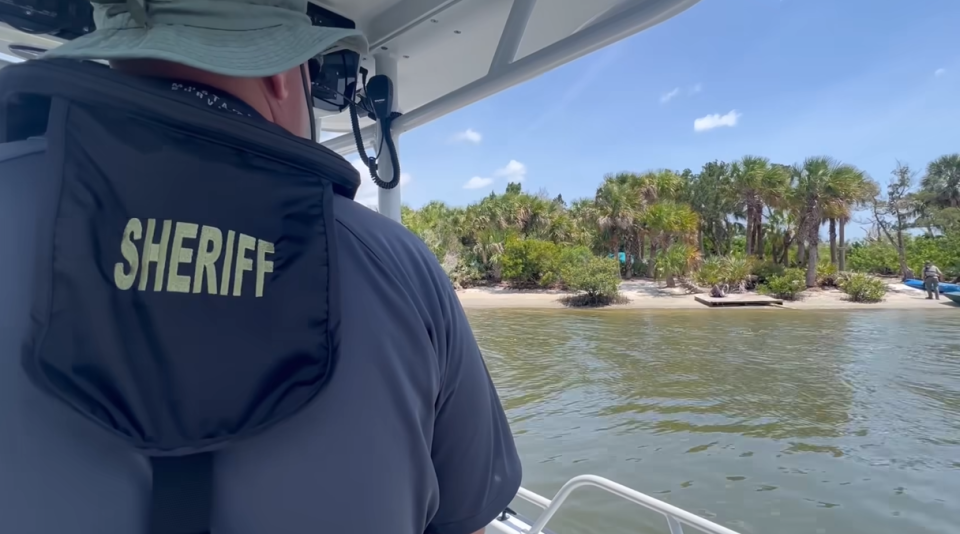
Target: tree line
[(666, 224)]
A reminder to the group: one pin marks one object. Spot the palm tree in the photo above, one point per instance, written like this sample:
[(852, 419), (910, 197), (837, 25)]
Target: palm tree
[(780, 227), (942, 181), (857, 191), (757, 183), (671, 223), (583, 225), (710, 195), (774, 192), (810, 181), (615, 212), (824, 189)]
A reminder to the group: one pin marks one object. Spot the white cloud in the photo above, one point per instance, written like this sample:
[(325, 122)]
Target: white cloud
[(716, 120), (468, 136), (368, 193), (939, 72), (666, 97), (695, 89), (514, 171), (477, 182)]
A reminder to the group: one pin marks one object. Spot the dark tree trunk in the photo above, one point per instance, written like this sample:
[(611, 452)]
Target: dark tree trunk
[(812, 265), (842, 252), (905, 271), (758, 228), (787, 241), (833, 241), (652, 261), (813, 249)]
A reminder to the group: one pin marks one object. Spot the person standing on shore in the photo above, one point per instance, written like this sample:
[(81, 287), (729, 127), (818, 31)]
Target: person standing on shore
[(931, 280)]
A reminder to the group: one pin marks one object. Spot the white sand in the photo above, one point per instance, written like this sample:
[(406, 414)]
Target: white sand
[(646, 294)]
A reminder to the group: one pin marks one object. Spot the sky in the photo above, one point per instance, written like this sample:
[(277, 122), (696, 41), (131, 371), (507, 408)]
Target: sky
[(867, 82)]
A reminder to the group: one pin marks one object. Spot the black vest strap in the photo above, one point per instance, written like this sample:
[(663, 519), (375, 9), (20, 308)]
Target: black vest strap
[(179, 245), (182, 494)]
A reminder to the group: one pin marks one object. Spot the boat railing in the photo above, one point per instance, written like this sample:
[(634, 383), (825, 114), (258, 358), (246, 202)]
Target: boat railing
[(676, 518)]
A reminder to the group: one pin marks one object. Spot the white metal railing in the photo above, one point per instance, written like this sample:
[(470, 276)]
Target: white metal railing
[(676, 518)]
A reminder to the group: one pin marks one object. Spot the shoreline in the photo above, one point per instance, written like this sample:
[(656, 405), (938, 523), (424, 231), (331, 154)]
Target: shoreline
[(649, 295)]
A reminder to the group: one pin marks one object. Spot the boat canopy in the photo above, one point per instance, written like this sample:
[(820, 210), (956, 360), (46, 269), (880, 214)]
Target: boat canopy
[(443, 55)]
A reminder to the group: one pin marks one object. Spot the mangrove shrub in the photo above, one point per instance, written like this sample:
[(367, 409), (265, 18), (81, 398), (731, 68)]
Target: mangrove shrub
[(788, 286), (530, 262), (861, 287), (597, 280)]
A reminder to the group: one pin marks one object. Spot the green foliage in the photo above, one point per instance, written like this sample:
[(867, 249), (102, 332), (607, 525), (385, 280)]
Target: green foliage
[(861, 287), (730, 212), (530, 262), (788, 286), (674, 261), (711, 272), (597, 279), (874, 257), (730, 270), (766, 270), (738, 246), (943, 251), (640, 267), (464, 274), (826, 274), (736, 271), (880, 258), (571, 255)]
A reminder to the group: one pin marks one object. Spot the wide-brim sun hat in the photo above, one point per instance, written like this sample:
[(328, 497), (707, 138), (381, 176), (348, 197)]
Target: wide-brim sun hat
[(241, 38)]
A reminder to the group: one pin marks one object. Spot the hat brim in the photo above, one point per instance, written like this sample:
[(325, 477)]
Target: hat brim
[(243, 54)]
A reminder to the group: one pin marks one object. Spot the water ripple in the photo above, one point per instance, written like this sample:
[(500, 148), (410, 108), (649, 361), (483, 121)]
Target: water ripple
[(832, 410)]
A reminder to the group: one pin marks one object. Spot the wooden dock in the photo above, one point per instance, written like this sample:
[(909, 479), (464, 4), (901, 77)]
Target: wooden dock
[(738, 300)]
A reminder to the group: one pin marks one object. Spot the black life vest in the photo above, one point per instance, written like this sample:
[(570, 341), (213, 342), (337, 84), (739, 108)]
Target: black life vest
[(187, 266)]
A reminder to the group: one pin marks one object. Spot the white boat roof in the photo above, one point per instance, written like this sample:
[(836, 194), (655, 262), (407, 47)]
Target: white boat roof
[(447, 50)]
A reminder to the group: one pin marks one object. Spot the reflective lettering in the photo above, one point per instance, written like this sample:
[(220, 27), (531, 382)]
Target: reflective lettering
[(208, 252), (245, 243), (184, 268), (264, 265), (156, 253), (227, 264), (122, 278), (180, 254)]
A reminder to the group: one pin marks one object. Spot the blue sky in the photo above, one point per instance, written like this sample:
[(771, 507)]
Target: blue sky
[(867, 82)]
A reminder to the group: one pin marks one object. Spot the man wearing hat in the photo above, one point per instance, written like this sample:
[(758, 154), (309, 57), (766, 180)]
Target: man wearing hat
[(408, 435), (931, 280)]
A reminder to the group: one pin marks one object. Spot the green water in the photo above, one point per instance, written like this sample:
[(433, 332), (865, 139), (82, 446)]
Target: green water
[(766, 421)]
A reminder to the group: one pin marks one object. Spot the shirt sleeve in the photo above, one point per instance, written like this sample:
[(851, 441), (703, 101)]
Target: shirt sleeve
[(474, 455)]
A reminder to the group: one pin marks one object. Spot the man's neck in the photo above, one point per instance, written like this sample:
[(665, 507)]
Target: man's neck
[(245, 90), (212, 97)]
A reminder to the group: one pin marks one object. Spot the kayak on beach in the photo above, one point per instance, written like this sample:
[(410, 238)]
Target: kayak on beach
[(944, 288)]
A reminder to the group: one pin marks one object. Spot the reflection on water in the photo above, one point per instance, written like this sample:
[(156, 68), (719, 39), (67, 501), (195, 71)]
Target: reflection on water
[(764, 421)]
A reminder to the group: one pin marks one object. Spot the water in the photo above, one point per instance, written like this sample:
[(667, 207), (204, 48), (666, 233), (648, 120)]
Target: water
[(765, 421)]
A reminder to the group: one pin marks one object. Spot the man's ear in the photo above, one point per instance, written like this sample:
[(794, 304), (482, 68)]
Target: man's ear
[(278, 86)]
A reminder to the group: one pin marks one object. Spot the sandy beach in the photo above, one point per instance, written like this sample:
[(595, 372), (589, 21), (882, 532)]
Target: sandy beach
[(646, 294)]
